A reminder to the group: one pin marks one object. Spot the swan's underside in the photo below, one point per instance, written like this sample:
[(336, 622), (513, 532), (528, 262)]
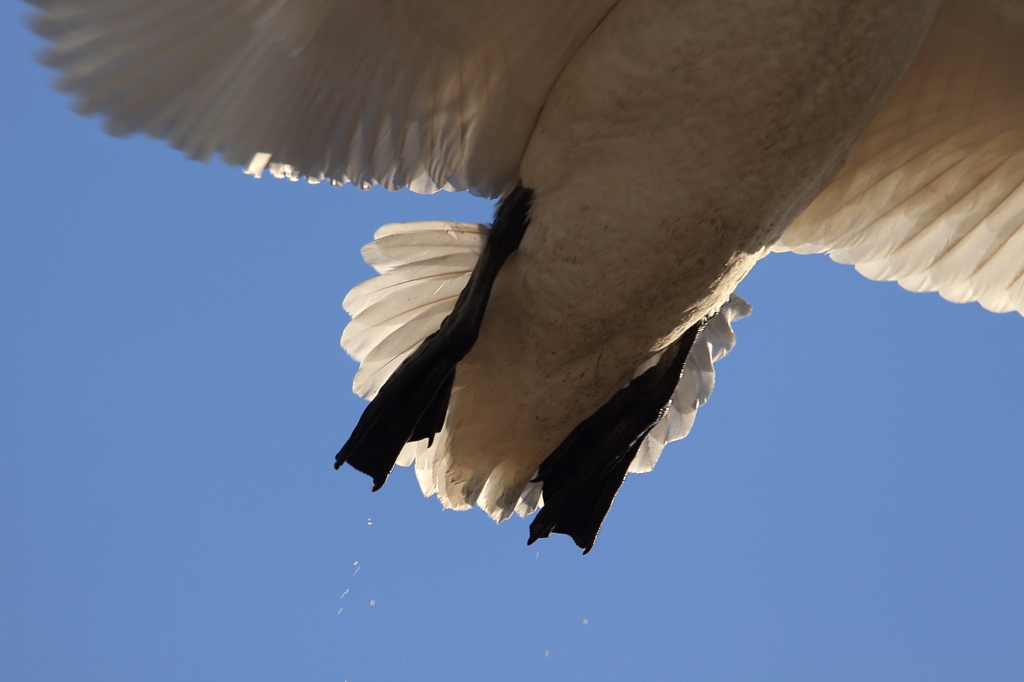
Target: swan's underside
[(648, 154)]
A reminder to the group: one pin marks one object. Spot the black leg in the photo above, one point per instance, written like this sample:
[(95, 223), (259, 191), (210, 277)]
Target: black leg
[(580, 478), (413, 402)]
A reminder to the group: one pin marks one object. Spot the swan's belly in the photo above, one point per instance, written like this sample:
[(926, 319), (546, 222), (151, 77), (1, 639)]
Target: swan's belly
[(677, 144)]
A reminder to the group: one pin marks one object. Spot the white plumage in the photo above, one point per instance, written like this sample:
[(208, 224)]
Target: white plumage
[(933, 193), (423, 267), (426, 95), (669, 147)]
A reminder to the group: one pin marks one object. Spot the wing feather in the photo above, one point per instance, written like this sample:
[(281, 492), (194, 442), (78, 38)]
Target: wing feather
[(932, 195), (402, 93)]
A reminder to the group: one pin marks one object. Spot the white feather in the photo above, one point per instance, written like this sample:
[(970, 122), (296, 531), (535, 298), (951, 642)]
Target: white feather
[(933, 194), (427, 95), (695, 386), (385, 330), (424, 266)]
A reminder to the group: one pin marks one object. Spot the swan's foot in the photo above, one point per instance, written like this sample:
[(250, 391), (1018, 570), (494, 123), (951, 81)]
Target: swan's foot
[(413, 402), (580, 478)]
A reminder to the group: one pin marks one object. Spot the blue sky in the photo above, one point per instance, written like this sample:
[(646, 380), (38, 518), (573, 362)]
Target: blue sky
[(848, 507)]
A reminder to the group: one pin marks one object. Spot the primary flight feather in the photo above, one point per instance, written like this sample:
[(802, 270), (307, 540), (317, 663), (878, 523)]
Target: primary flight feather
[(646, 155)]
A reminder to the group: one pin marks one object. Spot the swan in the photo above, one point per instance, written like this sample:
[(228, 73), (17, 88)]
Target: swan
[(645, 155)]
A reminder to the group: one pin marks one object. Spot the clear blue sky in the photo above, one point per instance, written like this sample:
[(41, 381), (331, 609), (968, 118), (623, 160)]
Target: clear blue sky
[(849, 506)]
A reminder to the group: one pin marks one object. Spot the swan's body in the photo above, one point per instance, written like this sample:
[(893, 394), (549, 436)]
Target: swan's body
[(603, 278), (668, 147)]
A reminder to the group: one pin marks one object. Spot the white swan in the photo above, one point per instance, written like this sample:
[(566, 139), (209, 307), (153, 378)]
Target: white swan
[(661, 149)]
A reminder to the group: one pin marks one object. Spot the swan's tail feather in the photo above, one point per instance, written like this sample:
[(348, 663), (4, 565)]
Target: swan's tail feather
[(713, 343), (423, 268), (411, 377)]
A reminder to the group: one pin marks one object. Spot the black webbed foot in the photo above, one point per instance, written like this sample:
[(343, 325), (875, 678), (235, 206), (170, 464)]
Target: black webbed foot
[(413, 402), (580, 478)]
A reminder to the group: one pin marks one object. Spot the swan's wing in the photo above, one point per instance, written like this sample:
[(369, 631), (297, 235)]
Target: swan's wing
[(695, 386), (425, 94), (933, 193)]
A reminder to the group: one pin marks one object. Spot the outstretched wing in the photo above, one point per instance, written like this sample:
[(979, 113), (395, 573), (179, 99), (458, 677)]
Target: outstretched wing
[(425, 94), (933, 193)]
